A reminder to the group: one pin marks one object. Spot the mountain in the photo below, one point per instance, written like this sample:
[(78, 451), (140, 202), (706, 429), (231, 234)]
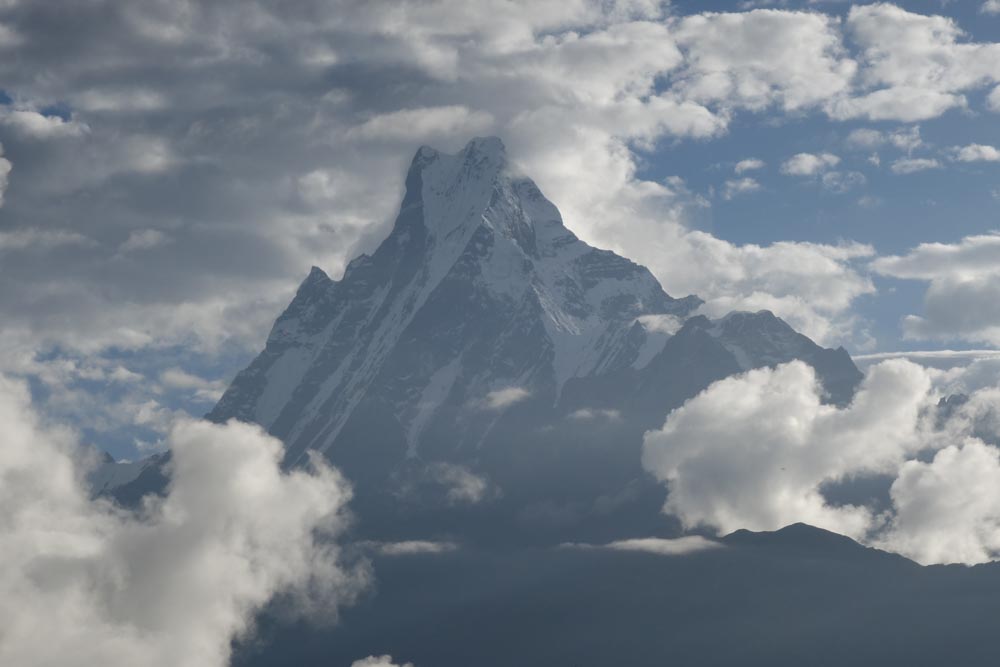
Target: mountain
[(479, 297), (483, 352)]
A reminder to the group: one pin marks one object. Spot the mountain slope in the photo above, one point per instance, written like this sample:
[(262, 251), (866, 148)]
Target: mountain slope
[(484, 355), (478, 297)]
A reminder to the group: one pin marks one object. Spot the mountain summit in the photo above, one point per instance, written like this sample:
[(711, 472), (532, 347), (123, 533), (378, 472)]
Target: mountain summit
[(485, 347), (478, 296)]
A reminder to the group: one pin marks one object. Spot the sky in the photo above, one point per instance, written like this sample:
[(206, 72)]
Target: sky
[(172, 169)]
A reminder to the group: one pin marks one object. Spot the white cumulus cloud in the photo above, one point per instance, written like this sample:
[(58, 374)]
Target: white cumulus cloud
[(913, 165), (812, 286), (85, 584), (809, 164), (739, 186), (976, 153), (962, 301), (753, 451), (915, 66), (734, 59), (948, 509), (749, 164)]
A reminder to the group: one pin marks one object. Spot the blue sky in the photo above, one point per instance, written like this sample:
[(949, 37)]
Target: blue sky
[(891, 212)]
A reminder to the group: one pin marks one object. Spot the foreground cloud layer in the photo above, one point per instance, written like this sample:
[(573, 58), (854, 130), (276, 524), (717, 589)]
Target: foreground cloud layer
[(85, 584), (755, 451)]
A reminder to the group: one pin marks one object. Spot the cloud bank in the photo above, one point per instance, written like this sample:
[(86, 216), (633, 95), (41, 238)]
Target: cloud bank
[(755, 451), (241, 149), (85, 584)]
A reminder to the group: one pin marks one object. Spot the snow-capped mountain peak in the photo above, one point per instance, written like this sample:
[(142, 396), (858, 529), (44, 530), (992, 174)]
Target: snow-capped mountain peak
[(482, 340), (479, 286), (482, 321)]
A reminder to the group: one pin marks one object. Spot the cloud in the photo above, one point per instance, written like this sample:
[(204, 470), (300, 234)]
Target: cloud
[(990, 7), (913, 165), (961, 302), (904, 103), (981, 372), (906, 139), (915, 66), (412, 547), (463, 485), (23, 239), (663, 324), (84, 583), (808, 164), (119, 99), (143, 240), (659, 546), (842, 181), (34, 125), (733, 59), (282, 134), (501, 399), (595, 414), (976, 153), (5, 167), (865, 137), (739, 186), (426, 123), (753, 451), (749, 164), (948, 509), (926, 354), (205, 390), (812, 286), (379, 661), (9, 38), (236, 161)]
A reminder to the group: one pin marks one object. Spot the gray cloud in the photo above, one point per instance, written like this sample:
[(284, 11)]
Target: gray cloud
[(182, 164)]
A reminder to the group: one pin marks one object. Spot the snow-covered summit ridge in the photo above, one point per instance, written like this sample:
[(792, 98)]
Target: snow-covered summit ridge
[(478, 286)]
